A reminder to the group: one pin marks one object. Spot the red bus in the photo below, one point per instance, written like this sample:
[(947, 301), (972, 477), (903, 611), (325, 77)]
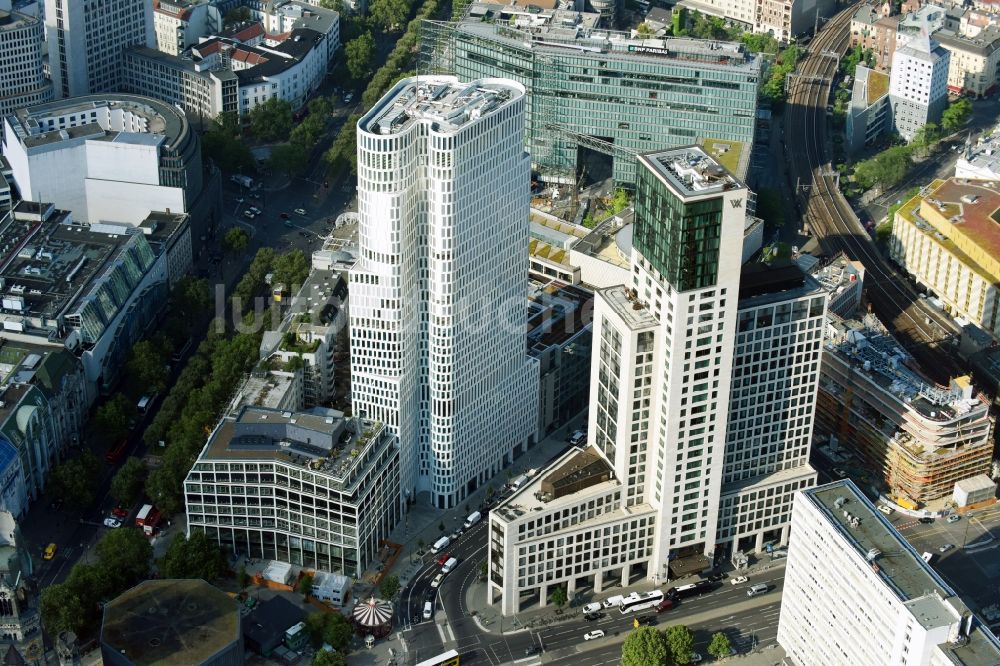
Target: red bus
[(117, 452)]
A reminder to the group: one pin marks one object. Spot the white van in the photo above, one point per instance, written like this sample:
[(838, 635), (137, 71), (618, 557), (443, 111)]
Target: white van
[(450, 565), (759, 588), (518, 482), (927, 557), (428, 610), (440, 545), (612, 602), (473, 518)]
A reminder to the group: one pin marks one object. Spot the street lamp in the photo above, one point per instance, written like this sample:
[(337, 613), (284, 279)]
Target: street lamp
[(968, 521)]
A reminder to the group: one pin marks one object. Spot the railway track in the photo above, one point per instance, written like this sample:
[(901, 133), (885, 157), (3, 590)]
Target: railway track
[(832, 220)]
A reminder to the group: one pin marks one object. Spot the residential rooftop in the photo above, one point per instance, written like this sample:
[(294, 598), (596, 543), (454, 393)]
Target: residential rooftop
[(626, 305), (441, 100), (690, 171), (557, 312), (305, 15), (899, 566)]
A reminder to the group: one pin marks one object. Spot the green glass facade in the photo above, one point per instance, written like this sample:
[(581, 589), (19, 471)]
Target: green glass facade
[(680, 240), (641, 100)]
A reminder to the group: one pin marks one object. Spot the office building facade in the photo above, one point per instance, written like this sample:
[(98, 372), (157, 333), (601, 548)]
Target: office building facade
[(918, 85), (86, 39), (438, 296), (595, 89), (856, 592), (22, 80)]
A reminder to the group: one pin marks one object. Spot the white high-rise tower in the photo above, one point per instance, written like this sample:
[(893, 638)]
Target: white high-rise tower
[(438, 296)]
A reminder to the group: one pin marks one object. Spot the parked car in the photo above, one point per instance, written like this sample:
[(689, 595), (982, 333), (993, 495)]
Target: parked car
[(577, 437), (591, 635), (737, 580), (592, 608), (839, 472), (954, 518), (49, 552), (119, 512), (112, 523), (348, 98), (249, 214), (925, 521), (885, 508), (300, 211), (945, 548)]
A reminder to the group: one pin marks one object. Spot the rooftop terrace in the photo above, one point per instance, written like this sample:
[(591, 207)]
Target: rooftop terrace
[(441, 100), (627, 306), (557, 312), (690, 172)]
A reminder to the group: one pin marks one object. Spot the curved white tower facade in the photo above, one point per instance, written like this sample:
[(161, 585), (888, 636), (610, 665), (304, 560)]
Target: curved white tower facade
[(438, 296)]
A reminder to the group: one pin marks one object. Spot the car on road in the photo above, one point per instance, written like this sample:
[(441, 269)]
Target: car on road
[(945, 548), (839, 473), (646, 620), (885, 508), (925, 521), (593, 617), (442, 559), (254, 210), (954, 518), (348, 98), (49, 552), (577, 437), (436, 583), (285, 216), (300, 211), (591, 635), (112, 523), (531, 649), (249, 214), (288, 224), (119, 512), (737, 580), (695, 658), (592, 608)]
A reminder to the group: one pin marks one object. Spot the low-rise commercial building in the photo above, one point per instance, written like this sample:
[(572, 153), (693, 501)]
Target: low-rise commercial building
[(315, 489), (948, 240), (855, 591), (918, 439)]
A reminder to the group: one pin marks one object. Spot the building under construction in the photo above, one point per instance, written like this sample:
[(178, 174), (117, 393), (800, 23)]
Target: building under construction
[(597, 90), (921, 438)]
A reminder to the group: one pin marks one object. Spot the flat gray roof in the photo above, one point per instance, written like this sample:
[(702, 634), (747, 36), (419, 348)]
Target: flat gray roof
[(690, 171)]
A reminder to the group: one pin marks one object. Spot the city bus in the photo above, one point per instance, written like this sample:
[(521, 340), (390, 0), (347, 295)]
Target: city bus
[(449, 658), (692, 590), (637, 602)]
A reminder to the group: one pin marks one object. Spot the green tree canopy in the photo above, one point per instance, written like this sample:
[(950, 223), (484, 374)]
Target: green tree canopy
[(389, 587), (128, 481), (63, 609), (558, 597), (680, 640), (111, 419), (390, 14), (885, 170), (645, 646), (759, 42), (926, 136), (75, 479), (330, 628), (956, 115), (271, 120), (306, 585), (719, 647), (291, 268), (327, 658), (126, 555), (289, 158), (147, 367), (360, 55), (344, 151), (195, 557), (222, 144), (236, 239)]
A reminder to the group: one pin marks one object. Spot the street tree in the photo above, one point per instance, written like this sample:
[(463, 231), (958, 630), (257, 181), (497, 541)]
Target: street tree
[(956, 115), (227, 151), (75, 479), (390, 14), (146, 366), (330, 628), (62, 609), (389, 587), (291, 269), (328, 658), (125, 553), (289, 158), (645, 646), (558, 597), (306, 586), (236, 240), (344, 151), (128, 481), (719, 647), (680, 641), (272, 120), (926, 136), (194, 557), (111, 418), (884, 170), (360, 55)]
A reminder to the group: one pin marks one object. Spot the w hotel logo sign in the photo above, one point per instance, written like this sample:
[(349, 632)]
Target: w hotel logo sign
[(736, 203)]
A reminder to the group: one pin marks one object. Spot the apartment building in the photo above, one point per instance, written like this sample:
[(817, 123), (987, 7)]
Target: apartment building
[(870, 114), (974, 61), (593, 89), (179, 24), (946, 238), (86, 39), (856, 592), (22, 79), (873, 30), (918, 84), (107, 158), (772, 401), (437, 316), (315, 489), (643, 498), (917, 438)]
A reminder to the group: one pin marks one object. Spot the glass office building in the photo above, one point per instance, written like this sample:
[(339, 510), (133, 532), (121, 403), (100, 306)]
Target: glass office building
[(600, 89)]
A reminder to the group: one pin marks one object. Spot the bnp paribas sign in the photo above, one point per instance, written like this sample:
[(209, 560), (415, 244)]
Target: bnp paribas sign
[(648, 50)]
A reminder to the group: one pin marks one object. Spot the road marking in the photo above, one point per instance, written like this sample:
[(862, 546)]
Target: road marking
[(524, 659), (441, 631)]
